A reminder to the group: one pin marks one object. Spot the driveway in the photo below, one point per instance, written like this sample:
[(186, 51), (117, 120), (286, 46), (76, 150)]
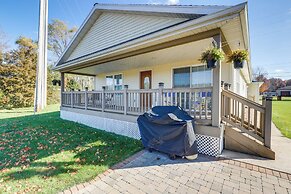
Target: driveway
[(155, 173)]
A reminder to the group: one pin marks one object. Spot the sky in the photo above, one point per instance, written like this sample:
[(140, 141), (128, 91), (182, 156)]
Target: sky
[(269, 23)]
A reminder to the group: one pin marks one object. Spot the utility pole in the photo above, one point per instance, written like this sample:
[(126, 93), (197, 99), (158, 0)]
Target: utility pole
[(40, 100)]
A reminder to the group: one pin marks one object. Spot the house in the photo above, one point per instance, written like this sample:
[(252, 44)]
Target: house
[(146, 55), (284, 92)]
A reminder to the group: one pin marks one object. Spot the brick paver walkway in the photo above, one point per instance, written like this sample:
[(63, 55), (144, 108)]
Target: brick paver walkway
[(155, 173)]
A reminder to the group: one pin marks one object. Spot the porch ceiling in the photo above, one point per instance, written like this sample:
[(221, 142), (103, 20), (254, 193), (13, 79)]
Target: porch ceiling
[(189, 52)]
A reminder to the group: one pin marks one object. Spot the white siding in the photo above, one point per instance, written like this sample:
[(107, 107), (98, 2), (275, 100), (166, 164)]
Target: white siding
[(160, 73), (240, 85), (114, 28)]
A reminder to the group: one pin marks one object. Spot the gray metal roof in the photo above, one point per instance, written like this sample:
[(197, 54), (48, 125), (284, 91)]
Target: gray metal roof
[(160, 8)]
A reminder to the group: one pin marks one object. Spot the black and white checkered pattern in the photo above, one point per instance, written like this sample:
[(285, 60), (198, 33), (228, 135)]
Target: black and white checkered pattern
[(208, 145)]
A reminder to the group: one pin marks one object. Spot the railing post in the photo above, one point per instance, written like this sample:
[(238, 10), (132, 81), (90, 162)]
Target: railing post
[(267, 122), (86, 98), (72, 98), (62, 87), (160, 95), (125, 98), (103, 98), (226, 102)]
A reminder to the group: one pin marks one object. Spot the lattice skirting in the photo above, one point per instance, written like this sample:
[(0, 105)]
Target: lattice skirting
[(206, 144)]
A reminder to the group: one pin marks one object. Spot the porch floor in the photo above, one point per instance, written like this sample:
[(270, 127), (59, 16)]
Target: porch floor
[(280, 145)]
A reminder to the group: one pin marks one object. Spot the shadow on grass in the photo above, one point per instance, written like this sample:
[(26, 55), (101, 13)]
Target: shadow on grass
[(23, 140)]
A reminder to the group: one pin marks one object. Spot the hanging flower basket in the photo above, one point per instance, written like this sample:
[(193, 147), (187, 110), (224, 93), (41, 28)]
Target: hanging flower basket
[(211, 64), (239, 58), (211, 56), (239, 64)]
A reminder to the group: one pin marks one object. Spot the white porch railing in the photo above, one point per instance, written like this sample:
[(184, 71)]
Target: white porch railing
[(196, 101)]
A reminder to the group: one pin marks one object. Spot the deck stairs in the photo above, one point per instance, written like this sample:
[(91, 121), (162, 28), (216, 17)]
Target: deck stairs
[(247, 124)]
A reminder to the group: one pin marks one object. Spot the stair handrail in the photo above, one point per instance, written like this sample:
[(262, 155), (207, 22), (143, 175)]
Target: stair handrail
[(233, 113)]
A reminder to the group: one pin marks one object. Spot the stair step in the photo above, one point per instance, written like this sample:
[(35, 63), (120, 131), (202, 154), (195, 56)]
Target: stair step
[(240, 142)]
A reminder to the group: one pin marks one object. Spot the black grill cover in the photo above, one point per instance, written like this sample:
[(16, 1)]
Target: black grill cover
[(161, 132)]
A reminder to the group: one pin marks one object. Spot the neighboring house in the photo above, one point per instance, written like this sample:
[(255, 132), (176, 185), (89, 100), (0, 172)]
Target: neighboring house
[(146, 55), (284, 92)]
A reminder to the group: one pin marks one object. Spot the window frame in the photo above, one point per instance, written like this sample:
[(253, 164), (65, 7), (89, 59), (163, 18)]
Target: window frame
[(113, 86), (191, 66)]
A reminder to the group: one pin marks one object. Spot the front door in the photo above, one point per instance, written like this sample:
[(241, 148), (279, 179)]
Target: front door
[(146, 83)]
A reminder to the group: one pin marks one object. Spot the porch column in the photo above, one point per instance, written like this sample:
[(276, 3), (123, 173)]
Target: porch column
[(62, 87), (216, 91)]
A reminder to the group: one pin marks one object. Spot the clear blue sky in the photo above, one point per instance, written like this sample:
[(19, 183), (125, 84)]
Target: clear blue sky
[(270, 25)]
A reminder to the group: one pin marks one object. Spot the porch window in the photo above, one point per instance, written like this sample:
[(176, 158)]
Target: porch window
[(114, 82), (181, 77), (201, 76), (194, 77)]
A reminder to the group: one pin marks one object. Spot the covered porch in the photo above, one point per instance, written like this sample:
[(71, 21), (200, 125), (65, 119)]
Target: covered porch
[(166, 81)]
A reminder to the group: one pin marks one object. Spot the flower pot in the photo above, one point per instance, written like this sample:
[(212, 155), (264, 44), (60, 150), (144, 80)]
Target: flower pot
[(211, 64), (239, 64)]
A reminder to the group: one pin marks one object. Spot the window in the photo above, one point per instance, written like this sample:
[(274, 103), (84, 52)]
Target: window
[(201, 76), (196, 76), (181, 77), (114, 82)]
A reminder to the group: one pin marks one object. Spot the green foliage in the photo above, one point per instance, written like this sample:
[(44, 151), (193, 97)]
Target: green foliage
[(44, 154), (53, 92), (238, 55), (17, 72), (211, 54), (72, 84)]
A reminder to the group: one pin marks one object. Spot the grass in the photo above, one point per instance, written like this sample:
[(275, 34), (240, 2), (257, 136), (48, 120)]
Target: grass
[(44, 154), (282, 116)]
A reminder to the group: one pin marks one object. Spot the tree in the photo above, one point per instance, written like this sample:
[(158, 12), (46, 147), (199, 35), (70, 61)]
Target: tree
[(72, 84), (276, 83), (18, 72), (264, 87), (260, 74), (288, 82), (59, 36)]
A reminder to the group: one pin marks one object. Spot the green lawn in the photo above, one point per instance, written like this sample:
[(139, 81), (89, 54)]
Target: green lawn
[(282, 116), (43, 154)]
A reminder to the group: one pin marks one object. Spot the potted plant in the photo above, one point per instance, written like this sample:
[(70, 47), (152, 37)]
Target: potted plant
[(211, 56), (239, 58)]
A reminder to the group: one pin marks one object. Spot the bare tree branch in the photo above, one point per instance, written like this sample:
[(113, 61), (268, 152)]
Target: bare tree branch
[(59, 35)]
